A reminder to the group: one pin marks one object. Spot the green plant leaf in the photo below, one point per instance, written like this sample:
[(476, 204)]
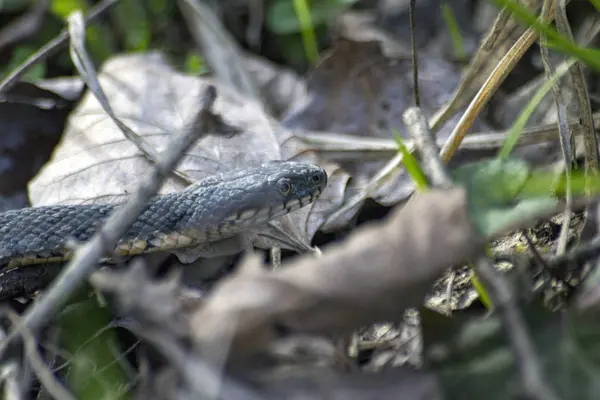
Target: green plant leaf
[(95, 370), (515, 131), (495, 191)]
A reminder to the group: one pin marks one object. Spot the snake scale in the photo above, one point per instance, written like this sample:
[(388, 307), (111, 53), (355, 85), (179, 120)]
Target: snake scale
[(210, 210)]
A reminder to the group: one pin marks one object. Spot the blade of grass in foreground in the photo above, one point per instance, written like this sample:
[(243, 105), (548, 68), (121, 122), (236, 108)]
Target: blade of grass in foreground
[(411, 164)]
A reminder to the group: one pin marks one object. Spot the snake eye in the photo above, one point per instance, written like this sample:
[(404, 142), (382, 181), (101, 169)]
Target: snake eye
[(316, 178), (284, 186)]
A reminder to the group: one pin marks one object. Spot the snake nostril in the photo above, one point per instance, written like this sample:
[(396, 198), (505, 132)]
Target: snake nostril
[(316, 178)]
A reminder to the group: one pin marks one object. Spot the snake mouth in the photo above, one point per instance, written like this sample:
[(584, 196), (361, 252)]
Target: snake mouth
[(300, 202), (256, 218)]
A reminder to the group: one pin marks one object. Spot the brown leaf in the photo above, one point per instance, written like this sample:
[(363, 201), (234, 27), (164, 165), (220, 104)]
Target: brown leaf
[(378, 272), (362, 88)]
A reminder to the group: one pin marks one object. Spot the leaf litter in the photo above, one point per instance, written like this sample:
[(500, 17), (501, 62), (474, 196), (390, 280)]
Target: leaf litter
[(357, 90)]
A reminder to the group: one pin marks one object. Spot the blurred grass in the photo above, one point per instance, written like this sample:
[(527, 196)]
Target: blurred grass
[(454, 30), (306, 29), (556, 41)]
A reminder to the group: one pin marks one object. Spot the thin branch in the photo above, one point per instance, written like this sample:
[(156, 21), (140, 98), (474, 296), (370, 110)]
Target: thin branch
[(527, 361), (590, 141), (499, 290), (563, 131), (51, 47), (39, 367), (414, 53), (86, 257), (418, 129), (25, 26)]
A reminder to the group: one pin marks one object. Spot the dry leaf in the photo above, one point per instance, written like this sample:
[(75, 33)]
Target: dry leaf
[(96, 163), (376, 274), (362, 90)]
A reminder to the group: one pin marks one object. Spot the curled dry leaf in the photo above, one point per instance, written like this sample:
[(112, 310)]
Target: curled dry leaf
[(95, 162), (376, 274)]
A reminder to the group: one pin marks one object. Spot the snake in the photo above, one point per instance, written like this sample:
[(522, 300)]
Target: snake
[(212, 209)]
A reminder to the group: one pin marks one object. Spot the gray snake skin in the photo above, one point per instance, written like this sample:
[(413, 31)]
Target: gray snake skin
[(215, 208)]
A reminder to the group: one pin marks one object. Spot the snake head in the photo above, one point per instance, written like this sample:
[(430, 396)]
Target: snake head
[(238, 200)]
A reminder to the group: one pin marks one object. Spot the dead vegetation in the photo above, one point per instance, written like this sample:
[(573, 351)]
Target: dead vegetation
[(362, 305)]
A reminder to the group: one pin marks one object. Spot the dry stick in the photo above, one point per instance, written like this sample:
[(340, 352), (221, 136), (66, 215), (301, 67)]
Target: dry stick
[(418, 129), (527, 361), (414, 53), (85, 67), (86, 257), (44, 374), (51, 47), (502, 27), (25, 26), (504, 67), (563, 133), (487, 90), (590, 140)]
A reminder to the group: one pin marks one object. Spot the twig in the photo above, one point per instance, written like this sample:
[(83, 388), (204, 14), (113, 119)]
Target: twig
[(499, 290), (85, 67), (51, 47), (25, 26), (527, 361), (493, 82), (558, 275), (44, 374), (418, 129), (563, 133), (590, 140), (86, 257), (583, 253), (414, 53)]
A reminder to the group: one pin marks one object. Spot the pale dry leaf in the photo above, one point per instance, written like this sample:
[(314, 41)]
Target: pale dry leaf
[(282, 86), (95, 163), (373, 276)]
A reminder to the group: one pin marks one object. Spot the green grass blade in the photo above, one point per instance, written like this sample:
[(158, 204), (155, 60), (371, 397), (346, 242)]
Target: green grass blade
[(307, 30), (480, 289), (557, 41), (412, 165), (454, 29), (519, 125)]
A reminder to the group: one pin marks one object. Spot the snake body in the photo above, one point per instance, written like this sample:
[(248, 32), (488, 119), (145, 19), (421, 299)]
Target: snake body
[(212, 209)]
